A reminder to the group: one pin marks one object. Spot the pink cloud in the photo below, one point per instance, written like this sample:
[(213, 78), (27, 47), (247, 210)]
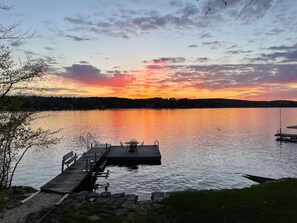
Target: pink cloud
[(90, 75)]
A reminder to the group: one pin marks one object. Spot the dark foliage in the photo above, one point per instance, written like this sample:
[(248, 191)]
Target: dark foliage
[(67, 103)]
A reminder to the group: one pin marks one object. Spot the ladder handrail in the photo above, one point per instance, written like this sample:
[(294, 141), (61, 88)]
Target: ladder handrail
[(90, 136), (156, 143), (82, 139)]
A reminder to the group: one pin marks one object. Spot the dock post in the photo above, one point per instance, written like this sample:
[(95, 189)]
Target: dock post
[(87, 162), (106, 145), (62, 169), (91, 165)]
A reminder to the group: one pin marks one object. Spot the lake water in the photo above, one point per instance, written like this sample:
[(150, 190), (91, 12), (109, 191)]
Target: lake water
[(201, 148)]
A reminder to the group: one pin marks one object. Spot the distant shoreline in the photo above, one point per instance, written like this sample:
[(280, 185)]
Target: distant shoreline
[(39, 103)]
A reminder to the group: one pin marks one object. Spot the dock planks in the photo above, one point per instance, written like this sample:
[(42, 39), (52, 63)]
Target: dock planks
[(67, 181)]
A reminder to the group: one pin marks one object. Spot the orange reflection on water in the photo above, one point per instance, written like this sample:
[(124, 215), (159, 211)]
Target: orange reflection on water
[(177, 130)]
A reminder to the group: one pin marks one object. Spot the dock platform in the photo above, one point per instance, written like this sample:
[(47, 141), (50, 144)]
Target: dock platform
[(146, 154), (286, 137)]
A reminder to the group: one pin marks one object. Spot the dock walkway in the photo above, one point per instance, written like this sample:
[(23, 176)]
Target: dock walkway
[(68, 181)]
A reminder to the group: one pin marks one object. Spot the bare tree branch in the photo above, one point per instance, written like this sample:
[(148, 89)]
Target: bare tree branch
[(12, 74), (12, 31), (260, 6), (5, 7)]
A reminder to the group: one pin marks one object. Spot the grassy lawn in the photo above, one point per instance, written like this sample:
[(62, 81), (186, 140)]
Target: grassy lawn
[(272, 202)]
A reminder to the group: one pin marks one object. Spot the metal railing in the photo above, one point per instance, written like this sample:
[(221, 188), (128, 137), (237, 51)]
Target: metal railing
[(156, 143), (82, 139)]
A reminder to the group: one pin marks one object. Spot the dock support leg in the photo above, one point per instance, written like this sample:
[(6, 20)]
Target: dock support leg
[(62, 168), (91, 165)]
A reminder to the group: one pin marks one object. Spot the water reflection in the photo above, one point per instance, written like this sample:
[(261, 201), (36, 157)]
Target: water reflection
[(201, 148)]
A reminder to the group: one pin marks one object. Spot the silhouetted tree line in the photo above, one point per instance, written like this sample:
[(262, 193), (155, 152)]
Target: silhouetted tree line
[(37, 103)]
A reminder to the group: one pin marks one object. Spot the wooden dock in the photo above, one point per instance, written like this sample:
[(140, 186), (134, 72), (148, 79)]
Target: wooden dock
[(70, 179), (292, 127), (146, 154), (78, 176), (285, 137)]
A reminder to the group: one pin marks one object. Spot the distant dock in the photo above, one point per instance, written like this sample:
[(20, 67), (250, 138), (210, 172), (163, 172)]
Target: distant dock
[(287, 137), (79, 173)]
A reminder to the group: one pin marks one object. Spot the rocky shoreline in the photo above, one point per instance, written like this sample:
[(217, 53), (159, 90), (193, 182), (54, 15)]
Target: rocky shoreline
[(119, 204), (43, 206)]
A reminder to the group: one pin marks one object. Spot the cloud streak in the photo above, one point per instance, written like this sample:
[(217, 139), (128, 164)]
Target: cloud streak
[(92, 76), (126, 23)]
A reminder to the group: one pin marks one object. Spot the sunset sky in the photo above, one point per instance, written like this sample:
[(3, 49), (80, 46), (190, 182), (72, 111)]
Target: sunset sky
[(161, 48)]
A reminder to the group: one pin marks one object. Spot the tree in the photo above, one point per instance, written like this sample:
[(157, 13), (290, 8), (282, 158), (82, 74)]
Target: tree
[(12, 31), (21, 75), (16, 138), (260, 6), (17, 135)]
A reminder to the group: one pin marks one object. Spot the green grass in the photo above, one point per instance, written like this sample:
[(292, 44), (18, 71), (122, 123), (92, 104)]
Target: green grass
[(81, 214), (4, 199), (272, 202)]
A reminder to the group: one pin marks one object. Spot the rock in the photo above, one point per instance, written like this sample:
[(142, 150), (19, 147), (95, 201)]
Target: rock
[(93, 195), (121, 212), (106, 200), (157, 197), (120, 200), (156, 205), (94, 218), (131, 197), (118, 195), (81, 196), (166, 195), (144, 203), (129, 205), (93, 199), (105, 194), (102, 200)]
